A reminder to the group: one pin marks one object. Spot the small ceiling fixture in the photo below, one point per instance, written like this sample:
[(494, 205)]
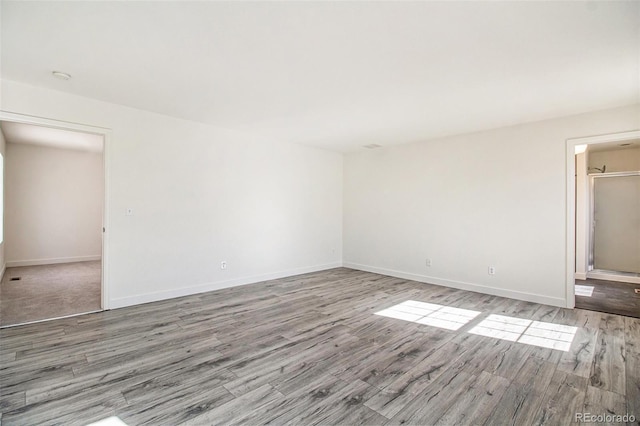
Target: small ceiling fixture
[(372, 146), (61, 75)]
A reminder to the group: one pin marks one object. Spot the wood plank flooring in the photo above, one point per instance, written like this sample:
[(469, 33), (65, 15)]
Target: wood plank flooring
[(610, 297), (311, 350)]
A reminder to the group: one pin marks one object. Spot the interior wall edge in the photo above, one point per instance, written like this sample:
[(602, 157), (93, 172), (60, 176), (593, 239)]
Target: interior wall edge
[(217, 285), (460, 285)]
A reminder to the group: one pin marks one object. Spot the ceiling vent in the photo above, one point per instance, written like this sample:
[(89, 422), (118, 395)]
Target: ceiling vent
[(372, 146)]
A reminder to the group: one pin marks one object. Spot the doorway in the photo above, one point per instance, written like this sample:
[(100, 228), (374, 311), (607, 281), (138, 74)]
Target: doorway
[(52, 252), (603, 233)]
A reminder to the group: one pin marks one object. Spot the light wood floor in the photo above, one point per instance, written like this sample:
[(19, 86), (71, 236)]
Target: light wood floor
[(310, 350), (49, 291)]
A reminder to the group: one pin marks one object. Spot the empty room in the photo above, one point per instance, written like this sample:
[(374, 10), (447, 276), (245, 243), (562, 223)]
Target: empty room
[(349, 213)]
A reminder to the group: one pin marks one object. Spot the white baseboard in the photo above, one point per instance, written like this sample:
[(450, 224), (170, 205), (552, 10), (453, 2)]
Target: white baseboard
[(512, 294), (613, 277), (580, 276), (51, 261), (201, 288)]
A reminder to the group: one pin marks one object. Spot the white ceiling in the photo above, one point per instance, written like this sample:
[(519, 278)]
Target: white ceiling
[(337, 75), (29, 134)]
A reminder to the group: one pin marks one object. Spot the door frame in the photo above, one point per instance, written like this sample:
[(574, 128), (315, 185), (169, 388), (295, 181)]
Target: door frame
[(570, 247), (106, 134)]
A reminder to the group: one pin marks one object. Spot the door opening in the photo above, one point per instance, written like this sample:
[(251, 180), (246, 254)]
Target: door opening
[(603, 223), (53, 253)]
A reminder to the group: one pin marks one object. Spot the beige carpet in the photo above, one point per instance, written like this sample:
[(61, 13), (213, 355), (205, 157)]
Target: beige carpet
[(49, 291)]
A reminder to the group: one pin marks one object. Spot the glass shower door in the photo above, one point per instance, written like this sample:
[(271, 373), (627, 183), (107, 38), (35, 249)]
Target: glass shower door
[(616, 222)]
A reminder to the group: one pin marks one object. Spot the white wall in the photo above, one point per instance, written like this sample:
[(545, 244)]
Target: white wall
[(201, 195), (490, 198), (617, 160), (53, 209)]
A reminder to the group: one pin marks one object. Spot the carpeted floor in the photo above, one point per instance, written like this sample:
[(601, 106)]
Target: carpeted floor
[(49, 291)]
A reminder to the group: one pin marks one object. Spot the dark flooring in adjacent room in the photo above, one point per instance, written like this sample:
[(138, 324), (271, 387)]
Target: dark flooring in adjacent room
[(610, 297), (338, 347), (49, 291)]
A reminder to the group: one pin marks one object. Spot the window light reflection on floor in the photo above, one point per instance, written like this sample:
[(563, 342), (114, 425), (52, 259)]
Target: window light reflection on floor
[(584, 290), (430, 314), (110, 421), (544, 334)]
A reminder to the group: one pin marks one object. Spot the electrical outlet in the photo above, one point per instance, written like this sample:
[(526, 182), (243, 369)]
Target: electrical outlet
[(492, 270), (428, 262), (223, 264)]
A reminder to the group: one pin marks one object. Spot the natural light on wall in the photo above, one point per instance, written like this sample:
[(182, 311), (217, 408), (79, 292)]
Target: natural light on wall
[(580, 149), (544, 334), (430, 314)]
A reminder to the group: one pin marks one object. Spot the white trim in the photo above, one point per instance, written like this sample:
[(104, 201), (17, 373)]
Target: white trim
[(50, 319), (570, 243), (106, 133), (580, 276), (519, 295), (47, 122), (212, 286), (613, 277), (106, 224), (51, 261), (582, 214), (609, 137), (570, 248)]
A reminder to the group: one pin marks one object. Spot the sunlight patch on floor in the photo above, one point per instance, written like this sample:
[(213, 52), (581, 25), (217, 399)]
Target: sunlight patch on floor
[(584, 290), (537, 333), (430, 314), (109, 421)]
